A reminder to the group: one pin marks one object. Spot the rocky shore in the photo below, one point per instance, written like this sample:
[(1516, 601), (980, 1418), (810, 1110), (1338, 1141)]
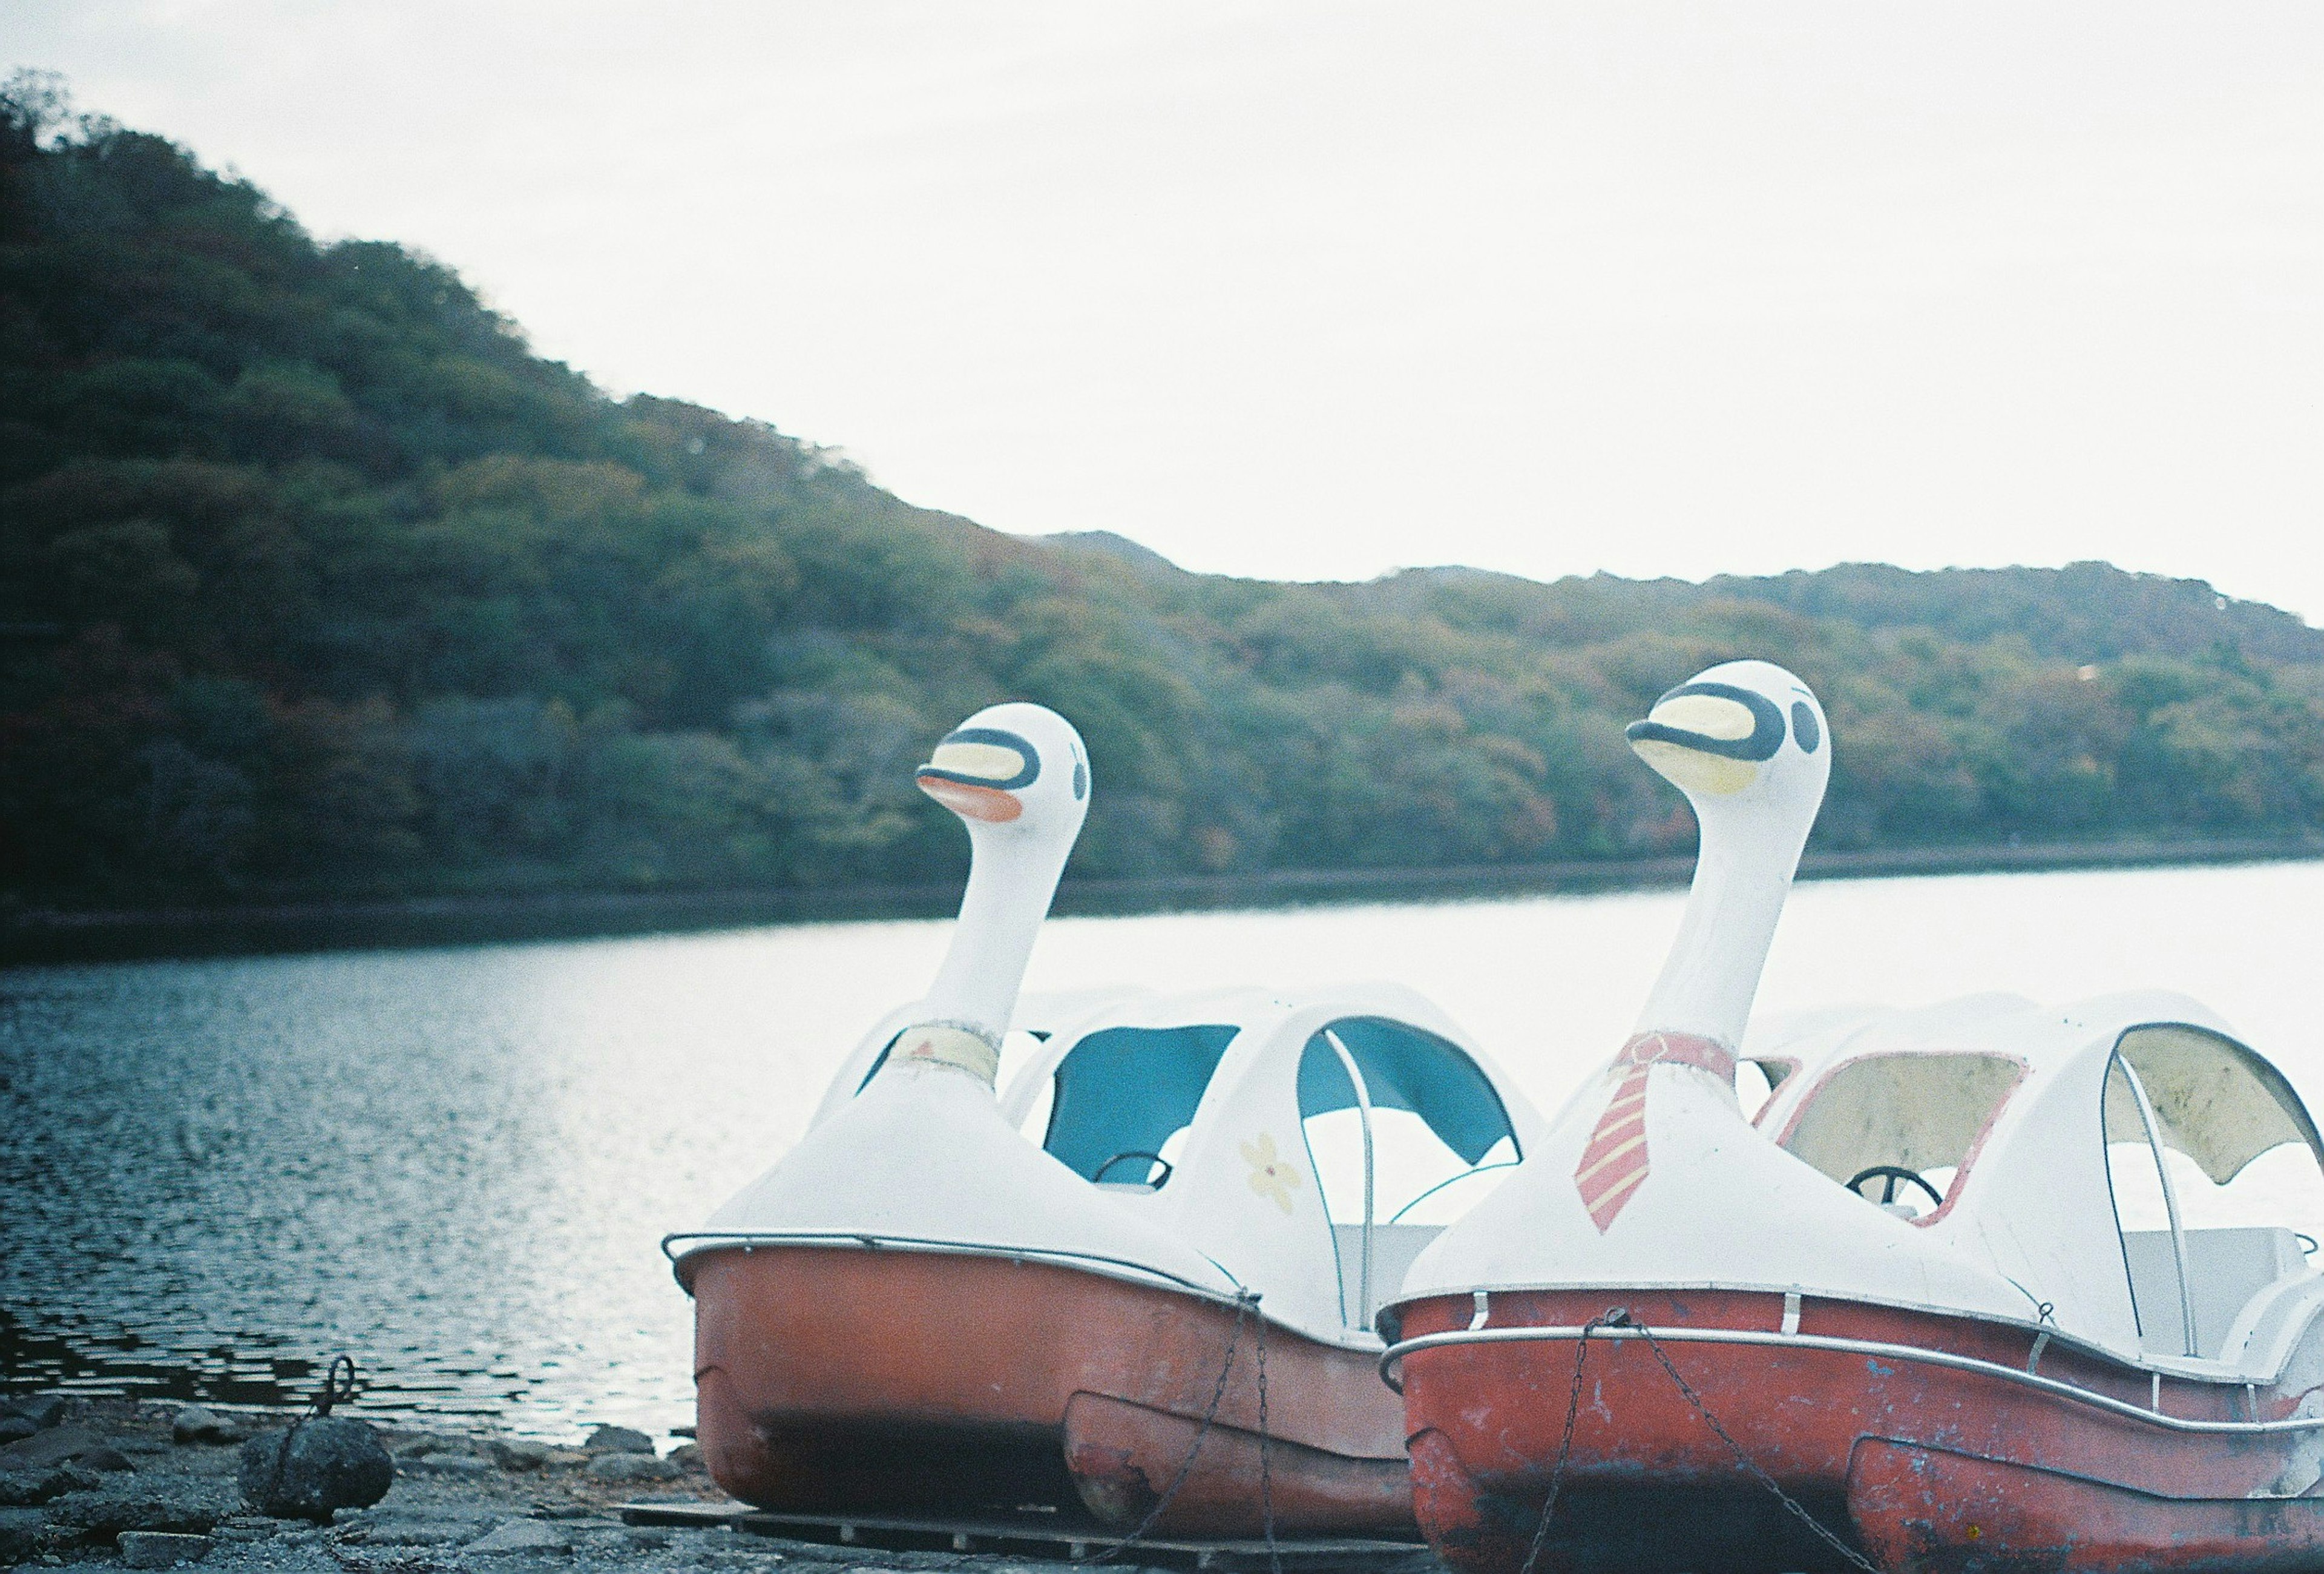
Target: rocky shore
[(117, 1483)]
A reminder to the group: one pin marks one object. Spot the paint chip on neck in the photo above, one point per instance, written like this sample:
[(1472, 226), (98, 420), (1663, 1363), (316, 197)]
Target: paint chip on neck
[(1655, 1048), (949, 1045)]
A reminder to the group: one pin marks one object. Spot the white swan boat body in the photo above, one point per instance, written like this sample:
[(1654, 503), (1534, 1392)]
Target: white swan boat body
[(1964, 1360), (946, 1299)]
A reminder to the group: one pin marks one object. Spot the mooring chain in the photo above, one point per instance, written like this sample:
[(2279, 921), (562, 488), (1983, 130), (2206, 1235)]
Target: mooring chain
[(1246, 1304), (1791, 1505), (1266, 1482), (1564, 1443), (1619, 1318)]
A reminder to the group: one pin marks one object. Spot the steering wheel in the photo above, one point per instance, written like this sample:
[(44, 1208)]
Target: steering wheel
[(1168, 1168), (1892, 1174)]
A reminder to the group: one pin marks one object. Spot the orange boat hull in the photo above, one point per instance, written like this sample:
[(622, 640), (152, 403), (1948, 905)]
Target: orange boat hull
[(1925, 1468), (852, 1380)]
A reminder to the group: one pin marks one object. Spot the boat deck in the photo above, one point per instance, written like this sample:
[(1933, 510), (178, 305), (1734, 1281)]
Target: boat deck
[(1047, 1538)]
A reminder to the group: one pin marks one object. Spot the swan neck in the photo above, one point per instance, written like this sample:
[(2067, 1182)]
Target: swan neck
[(1010, 887), (1712, 973)]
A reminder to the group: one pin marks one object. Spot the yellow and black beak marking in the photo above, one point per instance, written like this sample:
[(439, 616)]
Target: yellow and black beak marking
[(976, 772), (1710, 737)]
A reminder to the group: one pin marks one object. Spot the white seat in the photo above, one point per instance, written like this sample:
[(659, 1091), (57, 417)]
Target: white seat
[(2224, 1269), (1394, 1246)]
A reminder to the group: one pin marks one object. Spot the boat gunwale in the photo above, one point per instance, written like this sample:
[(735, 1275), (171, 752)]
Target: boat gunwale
[(1838, 1345), (2185, 1369), (1123, 1270)]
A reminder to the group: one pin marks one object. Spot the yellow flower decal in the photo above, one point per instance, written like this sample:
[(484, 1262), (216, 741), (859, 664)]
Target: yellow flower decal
[(1270, 1175)]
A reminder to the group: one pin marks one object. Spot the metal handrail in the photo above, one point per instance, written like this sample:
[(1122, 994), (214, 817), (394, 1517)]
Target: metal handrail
[(874, 1240), (1355, 1076), (2188, 1341), (1888, 1352)]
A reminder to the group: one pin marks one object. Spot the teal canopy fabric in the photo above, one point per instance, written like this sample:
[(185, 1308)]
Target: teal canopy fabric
[(1126, 1089), (1406, 1068)]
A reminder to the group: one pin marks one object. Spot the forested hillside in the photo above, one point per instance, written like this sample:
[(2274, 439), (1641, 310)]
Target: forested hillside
[(315, 581)]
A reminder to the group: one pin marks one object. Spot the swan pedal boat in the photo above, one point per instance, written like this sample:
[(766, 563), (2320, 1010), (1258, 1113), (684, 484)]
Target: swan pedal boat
[(1064, 1296), (1994, 1375), (1944, 1295), (921, 1309)]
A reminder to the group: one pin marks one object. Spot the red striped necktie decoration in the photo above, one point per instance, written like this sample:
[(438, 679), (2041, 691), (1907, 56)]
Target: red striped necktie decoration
[(1613, 1163)]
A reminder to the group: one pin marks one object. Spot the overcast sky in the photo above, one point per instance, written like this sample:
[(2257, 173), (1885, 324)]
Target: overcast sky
[(1315, 291)]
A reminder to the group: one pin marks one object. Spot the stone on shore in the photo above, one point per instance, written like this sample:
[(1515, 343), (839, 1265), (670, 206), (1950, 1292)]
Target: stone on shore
[(519, 1454), (444, 1462), (618, 1440), (522, 1535), (43, 1411), (17, 1428), (328, 1463), (430, 1525), (194, 1424), (161, 1549), (20, 1533), (190, 1507), (633, 1468), (246, 1528), (61, 1446), (31, 1488)]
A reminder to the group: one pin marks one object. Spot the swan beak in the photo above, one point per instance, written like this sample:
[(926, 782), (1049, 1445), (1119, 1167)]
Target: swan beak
[(990, 804), (975, 773), (1708, 739)]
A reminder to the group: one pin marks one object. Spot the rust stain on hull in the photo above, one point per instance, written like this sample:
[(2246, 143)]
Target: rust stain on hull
[(1934, 1511), (830, 1379)]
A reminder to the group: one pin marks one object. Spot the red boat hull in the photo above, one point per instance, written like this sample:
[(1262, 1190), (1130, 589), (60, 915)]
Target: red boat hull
[(1650, 1485), (906, 1381), (1936, 1512)]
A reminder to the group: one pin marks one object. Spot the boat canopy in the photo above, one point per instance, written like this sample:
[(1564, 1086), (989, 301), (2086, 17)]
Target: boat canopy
[(1893, 1088), (1126, 1091), (1280, 1132), (2215, 1101), (1406, 1068), (2026, 1139), (1921, 1111)]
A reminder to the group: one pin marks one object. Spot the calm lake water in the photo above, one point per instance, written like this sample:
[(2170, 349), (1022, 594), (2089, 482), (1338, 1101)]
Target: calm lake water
[(456, 1164)]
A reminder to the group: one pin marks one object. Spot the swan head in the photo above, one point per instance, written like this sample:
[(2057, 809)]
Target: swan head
[(1018, 769), (1741, 738), (1017, 776)]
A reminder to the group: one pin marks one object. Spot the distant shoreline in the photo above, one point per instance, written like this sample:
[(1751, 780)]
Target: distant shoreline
[(36, 936)]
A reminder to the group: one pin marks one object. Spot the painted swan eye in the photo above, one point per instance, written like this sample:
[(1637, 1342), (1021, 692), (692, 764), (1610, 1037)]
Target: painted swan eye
[(1805, 730)]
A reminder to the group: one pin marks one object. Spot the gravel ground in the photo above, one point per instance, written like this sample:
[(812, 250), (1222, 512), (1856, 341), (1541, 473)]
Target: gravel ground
[(155, 1487)]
